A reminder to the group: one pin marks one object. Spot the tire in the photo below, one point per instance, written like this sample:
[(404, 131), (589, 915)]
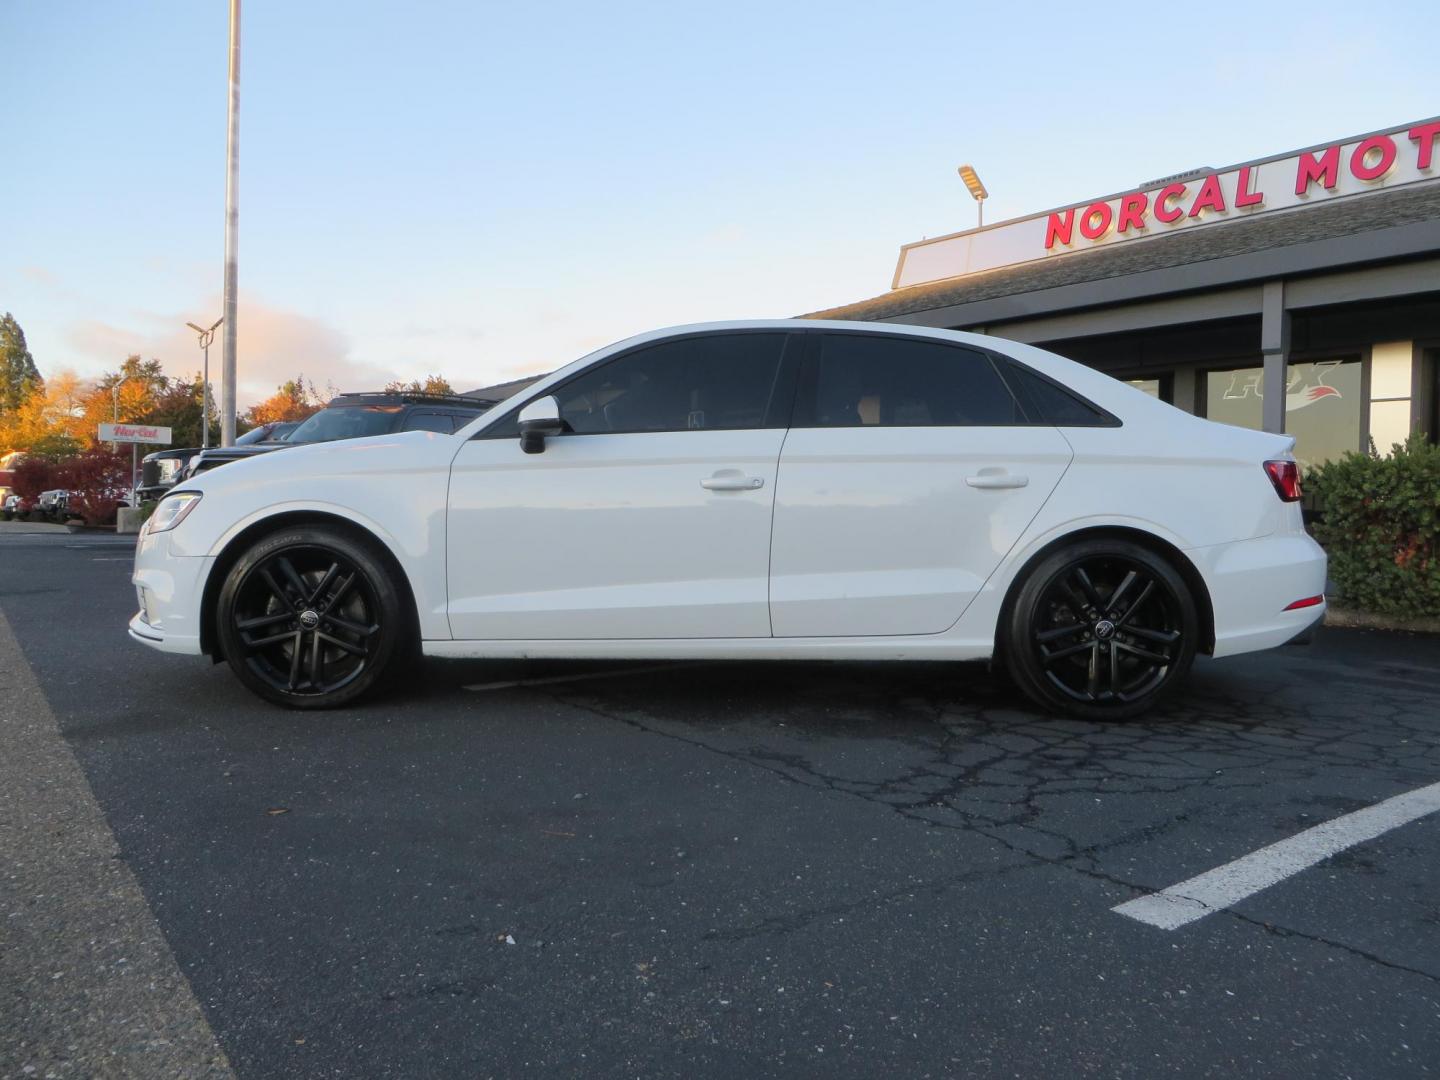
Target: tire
[(310, 617), (1101, 629)]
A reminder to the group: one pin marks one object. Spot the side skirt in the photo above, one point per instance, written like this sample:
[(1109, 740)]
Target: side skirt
[(892, 648)]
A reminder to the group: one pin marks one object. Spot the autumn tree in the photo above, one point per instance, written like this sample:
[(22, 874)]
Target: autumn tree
[(296, 399), (52, 417), (19, 377), (131, 391)]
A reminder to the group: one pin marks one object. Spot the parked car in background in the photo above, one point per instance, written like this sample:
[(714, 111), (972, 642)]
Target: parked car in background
[(54, 503), (12, 506), (354, 416), (766, 490), (161, 470)]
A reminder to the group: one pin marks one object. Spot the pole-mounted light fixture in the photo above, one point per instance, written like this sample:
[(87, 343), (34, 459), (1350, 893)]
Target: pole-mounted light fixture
[(977, 189), (206, 337)]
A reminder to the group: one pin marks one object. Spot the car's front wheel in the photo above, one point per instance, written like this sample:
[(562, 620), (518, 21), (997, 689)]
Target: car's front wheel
[(311, 618), (1102, 629)]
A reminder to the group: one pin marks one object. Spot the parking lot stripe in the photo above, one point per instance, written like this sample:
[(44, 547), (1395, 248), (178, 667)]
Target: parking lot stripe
[(1217, 889), (510, 683)]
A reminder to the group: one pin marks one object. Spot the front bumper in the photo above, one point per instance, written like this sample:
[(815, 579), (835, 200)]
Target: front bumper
[(169, 589)]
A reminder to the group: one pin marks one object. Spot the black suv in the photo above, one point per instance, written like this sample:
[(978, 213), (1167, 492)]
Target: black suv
[(354, 416)]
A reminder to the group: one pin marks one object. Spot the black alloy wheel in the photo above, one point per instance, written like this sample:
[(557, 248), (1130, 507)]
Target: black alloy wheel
[(310, 618), (1101, 629)]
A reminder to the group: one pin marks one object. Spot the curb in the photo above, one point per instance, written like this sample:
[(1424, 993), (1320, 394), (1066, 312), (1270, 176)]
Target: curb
[(1369, 620)]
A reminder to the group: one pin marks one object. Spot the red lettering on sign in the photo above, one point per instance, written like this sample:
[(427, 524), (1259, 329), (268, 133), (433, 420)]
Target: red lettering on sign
[(1095, 222), (1383, 161), (1132, 212), (1059, 229), (1423, 137), (1210, 197), (1169, 193), (1325, 168), (1244, 196)]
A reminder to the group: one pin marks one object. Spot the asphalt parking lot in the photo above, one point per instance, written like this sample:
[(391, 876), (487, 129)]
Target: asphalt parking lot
[(722, 870)]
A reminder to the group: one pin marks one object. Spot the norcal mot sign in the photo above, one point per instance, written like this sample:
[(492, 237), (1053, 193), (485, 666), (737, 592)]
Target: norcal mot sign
[(148, 434), (1379, 161)]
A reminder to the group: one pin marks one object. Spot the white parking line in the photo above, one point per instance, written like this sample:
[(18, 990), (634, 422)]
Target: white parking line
[(508, 684), (1229, 884)]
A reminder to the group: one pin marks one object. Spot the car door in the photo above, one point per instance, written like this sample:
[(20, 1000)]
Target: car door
[(909, 473), (649, 518)]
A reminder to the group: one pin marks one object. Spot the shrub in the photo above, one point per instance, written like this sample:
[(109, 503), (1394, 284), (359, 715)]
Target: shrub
[(97, 481), (32, 476), (1379, 523)]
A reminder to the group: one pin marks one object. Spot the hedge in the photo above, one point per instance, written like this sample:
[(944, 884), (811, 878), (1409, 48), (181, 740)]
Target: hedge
[(1379, 520)]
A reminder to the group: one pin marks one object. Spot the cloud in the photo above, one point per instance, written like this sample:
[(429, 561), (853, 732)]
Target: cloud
[(275, 344)]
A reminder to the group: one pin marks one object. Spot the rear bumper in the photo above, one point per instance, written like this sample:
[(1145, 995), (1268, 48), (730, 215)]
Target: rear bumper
[(1251, 583), (1306, 636)]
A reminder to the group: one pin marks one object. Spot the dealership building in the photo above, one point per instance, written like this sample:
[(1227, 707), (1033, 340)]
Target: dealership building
[(1296, 293)]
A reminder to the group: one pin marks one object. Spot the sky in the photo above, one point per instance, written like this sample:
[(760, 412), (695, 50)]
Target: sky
[(486, 190)]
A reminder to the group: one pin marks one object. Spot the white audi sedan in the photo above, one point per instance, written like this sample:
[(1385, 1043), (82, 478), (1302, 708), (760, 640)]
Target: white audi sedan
[(759, 490)]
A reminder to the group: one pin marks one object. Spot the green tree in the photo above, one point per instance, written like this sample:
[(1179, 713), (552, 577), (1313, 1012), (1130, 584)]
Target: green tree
[(432, 384), (19, 377), (178, 407)]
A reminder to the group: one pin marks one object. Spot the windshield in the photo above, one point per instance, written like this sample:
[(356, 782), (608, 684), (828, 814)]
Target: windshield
[(347, 422), (276, 432)]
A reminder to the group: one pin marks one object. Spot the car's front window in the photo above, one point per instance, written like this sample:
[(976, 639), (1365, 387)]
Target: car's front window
[(712, 382), (347, 422)]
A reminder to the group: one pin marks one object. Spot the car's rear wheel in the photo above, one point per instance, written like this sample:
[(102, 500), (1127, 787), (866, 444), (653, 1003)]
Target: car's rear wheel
[(310, 618), (1102, 629)]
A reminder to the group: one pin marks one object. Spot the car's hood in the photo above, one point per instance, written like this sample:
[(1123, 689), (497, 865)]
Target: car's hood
[(344, 457)]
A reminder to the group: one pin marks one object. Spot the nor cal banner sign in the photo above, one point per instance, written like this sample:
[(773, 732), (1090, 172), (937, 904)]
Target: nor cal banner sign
[(1357, 166), (135, 433)]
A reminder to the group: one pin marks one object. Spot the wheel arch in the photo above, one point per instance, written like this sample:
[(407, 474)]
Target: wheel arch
[(1188, 571), (246, 537)]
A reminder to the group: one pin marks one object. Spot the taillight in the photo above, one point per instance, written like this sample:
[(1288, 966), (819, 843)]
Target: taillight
[(1285, 475)]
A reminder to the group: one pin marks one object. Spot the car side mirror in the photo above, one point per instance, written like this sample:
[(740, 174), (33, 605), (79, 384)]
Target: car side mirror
[(537, 420)]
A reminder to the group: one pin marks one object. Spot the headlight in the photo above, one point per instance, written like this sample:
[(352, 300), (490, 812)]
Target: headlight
[(172, 510)]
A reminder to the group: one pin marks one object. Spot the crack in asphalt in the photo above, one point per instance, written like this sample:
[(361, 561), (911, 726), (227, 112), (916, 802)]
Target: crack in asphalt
[(990, 767)]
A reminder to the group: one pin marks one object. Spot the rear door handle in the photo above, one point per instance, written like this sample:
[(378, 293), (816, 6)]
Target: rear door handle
[(998, 479), (732, 482)]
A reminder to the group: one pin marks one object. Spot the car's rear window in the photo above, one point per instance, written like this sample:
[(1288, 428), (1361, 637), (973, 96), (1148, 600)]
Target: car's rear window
[(1052, 402)]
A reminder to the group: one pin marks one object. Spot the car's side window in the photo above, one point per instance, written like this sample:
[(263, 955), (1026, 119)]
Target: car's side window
[(712, 382), (430, 421), (872, 380)]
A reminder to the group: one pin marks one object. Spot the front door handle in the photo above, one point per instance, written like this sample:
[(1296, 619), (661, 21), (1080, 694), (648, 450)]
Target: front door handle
[(997, 478), (732, 481)]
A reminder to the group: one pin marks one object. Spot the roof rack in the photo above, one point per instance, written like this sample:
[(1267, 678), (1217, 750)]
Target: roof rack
[(413, 396)]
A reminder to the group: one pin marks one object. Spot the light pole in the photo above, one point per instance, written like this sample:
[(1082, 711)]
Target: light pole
[(206, 337), (115, 418), (232, 237), (977, 189)]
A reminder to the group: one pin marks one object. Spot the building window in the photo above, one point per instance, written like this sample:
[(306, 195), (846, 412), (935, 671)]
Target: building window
[(1323, 405), (1150, 386), (1390, 365)]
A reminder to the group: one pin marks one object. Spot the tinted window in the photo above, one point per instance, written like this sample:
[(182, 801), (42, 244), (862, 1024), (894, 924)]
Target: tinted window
[(874, 381), (429, 421), (1054, 403), (347, 422), (710, 383)]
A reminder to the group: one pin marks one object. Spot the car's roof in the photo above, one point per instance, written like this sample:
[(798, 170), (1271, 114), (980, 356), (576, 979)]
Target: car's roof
[(386, 397)]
